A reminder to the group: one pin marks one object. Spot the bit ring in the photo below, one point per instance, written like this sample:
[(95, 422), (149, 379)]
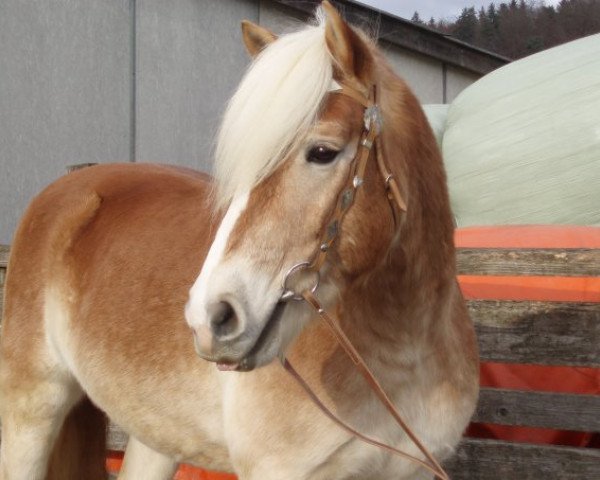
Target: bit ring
[(290, 294)]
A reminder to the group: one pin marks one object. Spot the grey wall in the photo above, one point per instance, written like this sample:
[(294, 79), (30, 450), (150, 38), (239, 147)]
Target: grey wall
[(189, 59), (64, 93), (110, 80), (134, 80), (457, 79)]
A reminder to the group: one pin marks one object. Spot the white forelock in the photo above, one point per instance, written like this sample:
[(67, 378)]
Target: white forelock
[(274, 107)]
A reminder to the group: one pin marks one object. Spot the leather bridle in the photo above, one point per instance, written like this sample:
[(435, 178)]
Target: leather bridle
[(369, 141)]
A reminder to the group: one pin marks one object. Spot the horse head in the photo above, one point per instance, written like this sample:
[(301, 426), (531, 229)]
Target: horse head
[(285, 164)]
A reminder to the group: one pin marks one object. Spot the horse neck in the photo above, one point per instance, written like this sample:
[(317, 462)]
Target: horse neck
[(404, 299), (400, 302)]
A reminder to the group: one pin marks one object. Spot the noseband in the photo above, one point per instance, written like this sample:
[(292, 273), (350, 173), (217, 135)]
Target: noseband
[(369, 138)]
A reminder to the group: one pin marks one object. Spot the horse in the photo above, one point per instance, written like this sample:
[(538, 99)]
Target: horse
[(162, 297)]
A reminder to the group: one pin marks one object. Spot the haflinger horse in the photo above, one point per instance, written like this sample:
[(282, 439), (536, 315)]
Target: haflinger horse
[(105, 310)]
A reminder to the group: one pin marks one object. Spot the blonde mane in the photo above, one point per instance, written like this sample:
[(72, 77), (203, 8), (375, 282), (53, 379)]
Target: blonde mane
[(274, 106)]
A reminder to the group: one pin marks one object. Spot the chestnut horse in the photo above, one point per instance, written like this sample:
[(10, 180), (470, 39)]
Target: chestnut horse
[(105, 311)]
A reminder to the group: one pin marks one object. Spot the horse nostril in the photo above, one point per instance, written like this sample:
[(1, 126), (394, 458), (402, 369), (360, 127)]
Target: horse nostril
[(223, 320)]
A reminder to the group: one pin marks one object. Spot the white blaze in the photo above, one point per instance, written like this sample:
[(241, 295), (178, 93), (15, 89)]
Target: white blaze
[(195, 312)]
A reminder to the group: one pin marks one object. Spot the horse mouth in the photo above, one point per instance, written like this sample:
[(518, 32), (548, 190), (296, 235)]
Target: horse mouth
[(266, 337)]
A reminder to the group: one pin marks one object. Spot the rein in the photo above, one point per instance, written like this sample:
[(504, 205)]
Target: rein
[(369, 138)]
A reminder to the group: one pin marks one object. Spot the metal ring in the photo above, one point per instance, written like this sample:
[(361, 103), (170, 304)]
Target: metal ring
[(388, 178), (289, 294)]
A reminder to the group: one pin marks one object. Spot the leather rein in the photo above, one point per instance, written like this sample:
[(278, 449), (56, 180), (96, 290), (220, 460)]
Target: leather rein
[(369, 138)]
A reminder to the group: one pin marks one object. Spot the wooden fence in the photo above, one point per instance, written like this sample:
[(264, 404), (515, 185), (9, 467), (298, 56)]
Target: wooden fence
[(565, 333)]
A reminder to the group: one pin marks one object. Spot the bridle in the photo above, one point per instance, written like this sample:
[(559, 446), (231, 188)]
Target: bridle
[(369, 141)]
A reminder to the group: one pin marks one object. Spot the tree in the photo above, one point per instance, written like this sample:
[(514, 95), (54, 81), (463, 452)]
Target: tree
[(465, 26), (492, 14), (517, 28), (416, 18)]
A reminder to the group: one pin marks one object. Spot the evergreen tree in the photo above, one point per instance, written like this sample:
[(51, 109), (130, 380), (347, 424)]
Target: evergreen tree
[(522, 27), (487, 31), (416, 18), (465, 26), (492, 15)]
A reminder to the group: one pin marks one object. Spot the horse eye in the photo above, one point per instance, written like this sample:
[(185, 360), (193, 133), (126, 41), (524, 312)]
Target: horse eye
[(321, 154)]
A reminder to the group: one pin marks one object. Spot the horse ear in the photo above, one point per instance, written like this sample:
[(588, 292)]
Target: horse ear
[(350, 52), (256, 38)]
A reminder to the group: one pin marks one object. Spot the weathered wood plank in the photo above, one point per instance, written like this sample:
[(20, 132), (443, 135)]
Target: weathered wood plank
[(539, 409), (78, 166), (548, 262), (4, 251), (492, 460), (116, 438), (546, 333)]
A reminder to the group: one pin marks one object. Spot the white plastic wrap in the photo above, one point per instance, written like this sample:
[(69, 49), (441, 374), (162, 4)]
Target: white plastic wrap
[(522, 145)]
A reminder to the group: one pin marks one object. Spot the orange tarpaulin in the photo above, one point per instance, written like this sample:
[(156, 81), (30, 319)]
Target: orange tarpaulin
[(528, 236), (557, 289)]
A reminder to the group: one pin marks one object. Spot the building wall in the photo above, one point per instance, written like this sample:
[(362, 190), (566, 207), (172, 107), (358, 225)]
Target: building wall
[(457, 79), (423, 75), (65, 87), (125, 80), (189, 59)]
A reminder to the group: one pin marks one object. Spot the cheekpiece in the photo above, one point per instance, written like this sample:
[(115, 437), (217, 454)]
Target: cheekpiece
[(373, 119), (347, 198), (332, 230)]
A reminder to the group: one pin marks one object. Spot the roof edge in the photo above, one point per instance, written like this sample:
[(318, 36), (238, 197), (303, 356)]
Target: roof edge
[(410, 36)]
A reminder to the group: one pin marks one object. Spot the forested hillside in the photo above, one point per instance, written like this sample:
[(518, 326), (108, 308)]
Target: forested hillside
[(520, 28)]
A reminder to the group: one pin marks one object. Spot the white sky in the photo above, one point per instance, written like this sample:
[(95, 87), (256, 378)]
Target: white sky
[(438, 9)]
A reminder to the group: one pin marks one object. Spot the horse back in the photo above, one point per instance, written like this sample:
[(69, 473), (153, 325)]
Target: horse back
[(113, 241)]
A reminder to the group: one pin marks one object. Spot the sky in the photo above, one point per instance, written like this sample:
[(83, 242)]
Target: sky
[(438, 9)]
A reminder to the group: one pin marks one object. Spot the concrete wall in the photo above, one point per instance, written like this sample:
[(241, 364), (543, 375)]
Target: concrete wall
[(65, 87), (112, 80), (125, 80), (190, 57), (457, 80)]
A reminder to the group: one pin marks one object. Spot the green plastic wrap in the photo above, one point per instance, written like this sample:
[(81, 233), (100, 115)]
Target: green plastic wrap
[(522, 144)]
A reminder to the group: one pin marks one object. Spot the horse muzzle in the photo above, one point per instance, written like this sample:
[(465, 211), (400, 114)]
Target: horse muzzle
[(234, 341)]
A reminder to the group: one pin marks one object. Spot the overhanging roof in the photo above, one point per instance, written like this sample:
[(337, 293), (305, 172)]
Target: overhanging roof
[(408, 35)]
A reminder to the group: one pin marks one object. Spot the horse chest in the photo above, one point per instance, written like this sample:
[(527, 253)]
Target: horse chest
[(281, 434)]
